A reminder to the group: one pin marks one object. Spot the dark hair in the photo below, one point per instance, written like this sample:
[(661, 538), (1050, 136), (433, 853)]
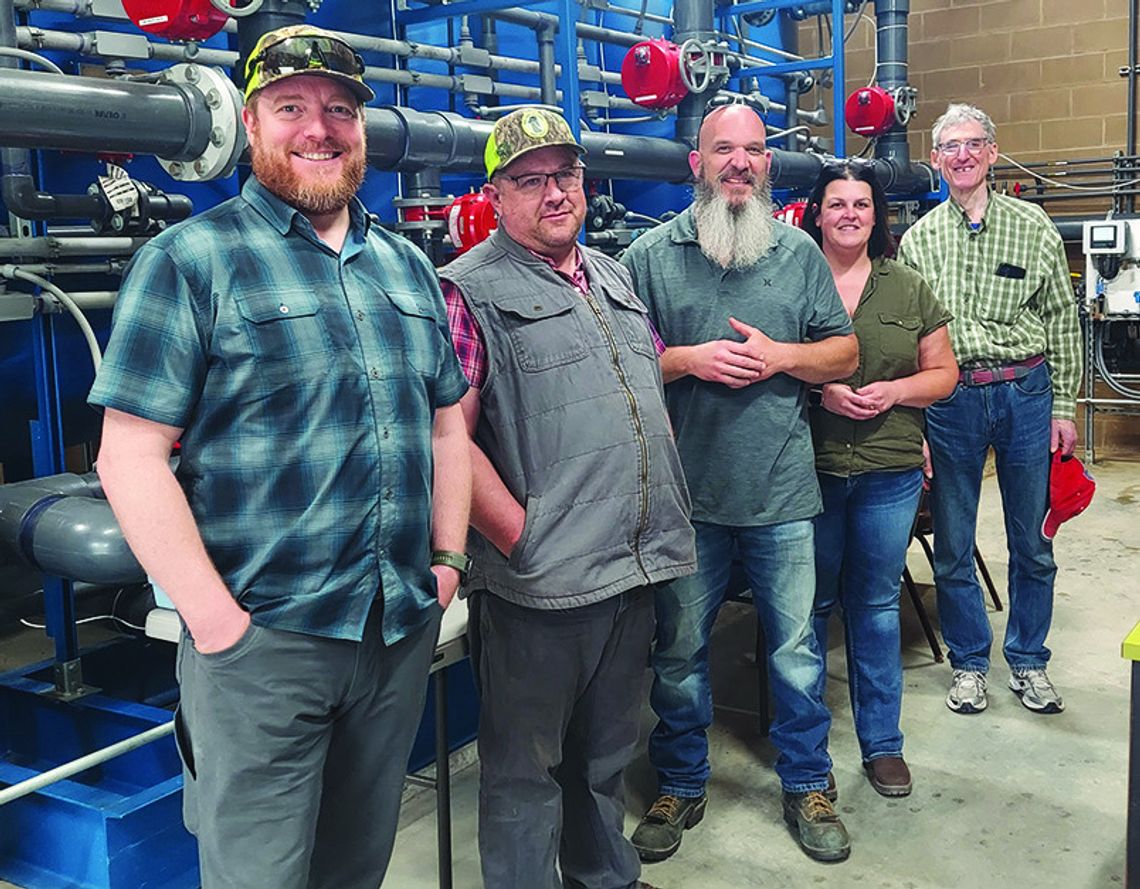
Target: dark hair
[(882, 242)]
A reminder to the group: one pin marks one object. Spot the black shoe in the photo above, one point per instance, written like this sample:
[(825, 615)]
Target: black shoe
[(659, 834), (820, 832)]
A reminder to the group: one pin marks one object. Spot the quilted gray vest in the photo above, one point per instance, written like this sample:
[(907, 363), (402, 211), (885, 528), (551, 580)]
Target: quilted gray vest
[(574, 421)]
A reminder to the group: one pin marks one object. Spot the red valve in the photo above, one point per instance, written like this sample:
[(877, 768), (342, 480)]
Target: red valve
[(470, 220), (870, 111), (176, 19), (651, 74), (792, 213)]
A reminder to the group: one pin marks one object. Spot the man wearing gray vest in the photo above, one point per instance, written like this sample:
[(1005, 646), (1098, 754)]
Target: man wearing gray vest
[(580, 508), (750, 314)]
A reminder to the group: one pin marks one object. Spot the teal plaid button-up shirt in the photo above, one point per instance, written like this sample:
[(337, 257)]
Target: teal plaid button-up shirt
[(1006, 284), (306, 384)]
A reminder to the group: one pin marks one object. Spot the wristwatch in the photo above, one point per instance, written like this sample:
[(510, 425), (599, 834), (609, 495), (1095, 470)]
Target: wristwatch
[(461, 562)]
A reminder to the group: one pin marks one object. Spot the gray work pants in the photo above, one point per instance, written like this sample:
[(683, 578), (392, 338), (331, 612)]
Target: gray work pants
[(294, 750), (561, 695)]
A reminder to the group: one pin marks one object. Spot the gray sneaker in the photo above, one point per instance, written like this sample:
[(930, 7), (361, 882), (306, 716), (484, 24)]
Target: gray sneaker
[(1037, 693), (968, 692)]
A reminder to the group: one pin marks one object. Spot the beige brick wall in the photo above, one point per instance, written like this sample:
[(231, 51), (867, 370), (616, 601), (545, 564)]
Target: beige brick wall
[(1045, 70)]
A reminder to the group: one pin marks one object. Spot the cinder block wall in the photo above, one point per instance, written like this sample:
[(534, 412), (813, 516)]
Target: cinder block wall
[(1045, 70)]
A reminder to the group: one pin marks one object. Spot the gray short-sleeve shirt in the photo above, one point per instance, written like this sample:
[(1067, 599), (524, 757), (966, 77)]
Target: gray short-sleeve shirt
[(747, 453)]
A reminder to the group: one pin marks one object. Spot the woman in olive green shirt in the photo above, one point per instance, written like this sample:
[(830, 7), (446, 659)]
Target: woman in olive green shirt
[(868, 441)]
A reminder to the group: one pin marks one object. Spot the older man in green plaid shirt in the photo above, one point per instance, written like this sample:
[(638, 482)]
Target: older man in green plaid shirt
[(999, 266)]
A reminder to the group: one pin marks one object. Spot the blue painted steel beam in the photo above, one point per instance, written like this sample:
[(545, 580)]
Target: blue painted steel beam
[(451, 10), (756, 6)]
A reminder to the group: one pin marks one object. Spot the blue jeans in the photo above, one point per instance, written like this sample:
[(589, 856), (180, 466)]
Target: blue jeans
[(779, 564), (861, 540), (1014, 419)]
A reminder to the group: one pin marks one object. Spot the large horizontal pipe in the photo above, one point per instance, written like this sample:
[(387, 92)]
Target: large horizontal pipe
[(95, 114), (61, 525), (91, 114), (57, 247)]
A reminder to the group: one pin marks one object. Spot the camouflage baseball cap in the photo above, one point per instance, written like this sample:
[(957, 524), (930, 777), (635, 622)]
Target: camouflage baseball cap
[(523, 131), (304, 49)]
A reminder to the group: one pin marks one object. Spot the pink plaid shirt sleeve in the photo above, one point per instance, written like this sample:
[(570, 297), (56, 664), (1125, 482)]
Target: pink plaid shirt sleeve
[(468, 340), (465, 336)]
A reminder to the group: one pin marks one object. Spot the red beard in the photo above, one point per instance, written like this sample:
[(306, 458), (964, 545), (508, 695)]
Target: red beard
[(313, 193)]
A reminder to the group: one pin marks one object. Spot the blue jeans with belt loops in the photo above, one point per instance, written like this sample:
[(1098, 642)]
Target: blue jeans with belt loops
[(1014, 419), (779, 564), (861, 539)]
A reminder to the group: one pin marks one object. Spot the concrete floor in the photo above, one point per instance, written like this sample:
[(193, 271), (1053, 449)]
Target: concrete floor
[(1005, 798), (1002, 799)]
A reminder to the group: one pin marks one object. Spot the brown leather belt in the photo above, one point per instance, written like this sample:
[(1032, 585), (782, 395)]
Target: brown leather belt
[(1000, 373)]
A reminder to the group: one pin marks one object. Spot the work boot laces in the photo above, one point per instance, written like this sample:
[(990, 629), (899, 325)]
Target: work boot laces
[(817, 807), (664, 810)]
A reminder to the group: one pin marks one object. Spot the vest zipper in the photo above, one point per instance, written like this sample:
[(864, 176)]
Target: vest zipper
[(639, 431)]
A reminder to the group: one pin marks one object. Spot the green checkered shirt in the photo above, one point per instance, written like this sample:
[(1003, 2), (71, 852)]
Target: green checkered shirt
[(998, 317)]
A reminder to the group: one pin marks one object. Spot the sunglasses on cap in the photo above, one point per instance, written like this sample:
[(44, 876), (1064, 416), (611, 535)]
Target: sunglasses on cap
[(302, 53), (723, 100)]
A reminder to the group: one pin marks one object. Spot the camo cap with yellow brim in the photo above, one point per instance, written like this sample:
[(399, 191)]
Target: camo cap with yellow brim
[(524, 131), (305, 49)]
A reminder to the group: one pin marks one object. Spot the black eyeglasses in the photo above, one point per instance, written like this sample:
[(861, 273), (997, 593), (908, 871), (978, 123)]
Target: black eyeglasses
[(566, 179), (723, 100), (303, 53)]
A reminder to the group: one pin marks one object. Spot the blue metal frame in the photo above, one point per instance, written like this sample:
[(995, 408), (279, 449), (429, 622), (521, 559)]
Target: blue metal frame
[(835, 62)]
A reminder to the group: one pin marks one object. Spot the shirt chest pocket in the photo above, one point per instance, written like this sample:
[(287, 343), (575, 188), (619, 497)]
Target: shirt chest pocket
[(411, 333), (898, 342), (633, 320), (1006, 300), (544, 330), (282, 327)]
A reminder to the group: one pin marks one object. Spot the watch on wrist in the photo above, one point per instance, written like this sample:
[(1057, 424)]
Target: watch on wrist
[(461, 562)]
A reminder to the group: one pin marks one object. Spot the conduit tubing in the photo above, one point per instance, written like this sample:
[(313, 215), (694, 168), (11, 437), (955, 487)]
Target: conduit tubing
[(87, 44), (55, 247), (83, 763)]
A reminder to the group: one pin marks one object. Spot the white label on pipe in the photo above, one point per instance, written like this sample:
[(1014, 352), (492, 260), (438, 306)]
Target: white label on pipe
[(154, 20)]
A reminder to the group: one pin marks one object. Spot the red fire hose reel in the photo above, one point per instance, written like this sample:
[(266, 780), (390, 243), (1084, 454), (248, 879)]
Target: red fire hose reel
[(176, 19)]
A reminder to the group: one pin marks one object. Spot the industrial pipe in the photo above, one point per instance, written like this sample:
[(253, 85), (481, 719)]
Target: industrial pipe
[(95, 114), (891, 73), (83, 763), (61, 525), (693, 20), (54, 112)]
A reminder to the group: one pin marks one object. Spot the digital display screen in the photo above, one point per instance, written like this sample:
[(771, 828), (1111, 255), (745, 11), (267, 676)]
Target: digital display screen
[(1103, 236)]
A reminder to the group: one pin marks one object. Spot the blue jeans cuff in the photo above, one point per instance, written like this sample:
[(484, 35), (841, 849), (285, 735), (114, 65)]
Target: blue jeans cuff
[(874, 756), (821, 786), (1022, 668), (681, 792), (974, 667)]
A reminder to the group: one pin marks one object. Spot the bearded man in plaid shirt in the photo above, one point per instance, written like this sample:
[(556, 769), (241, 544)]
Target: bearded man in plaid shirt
[(998, 264)]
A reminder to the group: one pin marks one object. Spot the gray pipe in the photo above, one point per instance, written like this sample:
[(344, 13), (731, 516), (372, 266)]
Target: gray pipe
[(56, 247), (94, 114), (55, 112), (547, 79), (891, 37), (62, 526), (692, 19)]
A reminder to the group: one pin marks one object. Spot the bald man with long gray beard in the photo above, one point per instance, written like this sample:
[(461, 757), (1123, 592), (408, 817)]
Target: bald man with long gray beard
[(750, 318)]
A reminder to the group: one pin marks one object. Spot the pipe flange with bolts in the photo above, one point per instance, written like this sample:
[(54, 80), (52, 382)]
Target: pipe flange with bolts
[(227, 135)]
